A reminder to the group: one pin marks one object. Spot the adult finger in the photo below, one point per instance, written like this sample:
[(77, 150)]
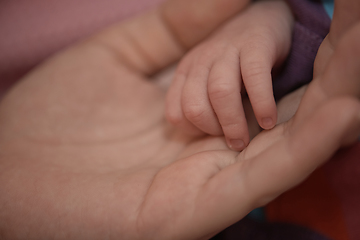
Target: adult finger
[(340, 78), (253, 182), (346, 15)]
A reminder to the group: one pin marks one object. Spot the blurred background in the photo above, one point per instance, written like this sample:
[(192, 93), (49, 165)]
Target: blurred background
[(30, 31)]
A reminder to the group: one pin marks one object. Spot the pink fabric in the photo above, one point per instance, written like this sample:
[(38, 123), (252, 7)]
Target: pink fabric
[(32, 30)]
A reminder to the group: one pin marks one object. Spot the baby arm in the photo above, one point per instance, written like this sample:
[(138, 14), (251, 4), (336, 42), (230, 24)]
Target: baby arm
[(205, 95)]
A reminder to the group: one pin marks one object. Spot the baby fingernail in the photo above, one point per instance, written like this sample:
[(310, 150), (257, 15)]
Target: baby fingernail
[(267, 123), (236, 144)]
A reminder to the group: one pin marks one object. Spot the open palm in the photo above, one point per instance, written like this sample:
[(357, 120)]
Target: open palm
[(86, 154)]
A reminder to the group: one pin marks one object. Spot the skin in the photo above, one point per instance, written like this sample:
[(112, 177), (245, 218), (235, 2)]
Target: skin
[(205, 94), (86, 152), (346, 15)]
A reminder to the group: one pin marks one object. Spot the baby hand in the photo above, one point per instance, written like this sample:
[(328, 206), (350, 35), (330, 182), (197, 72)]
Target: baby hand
[(205, 95)]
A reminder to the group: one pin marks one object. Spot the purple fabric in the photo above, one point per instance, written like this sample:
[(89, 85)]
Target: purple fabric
[(312, 25)]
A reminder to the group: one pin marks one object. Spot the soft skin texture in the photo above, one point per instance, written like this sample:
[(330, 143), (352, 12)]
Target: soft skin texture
[(346, 15), (205, 94), (86, 152)]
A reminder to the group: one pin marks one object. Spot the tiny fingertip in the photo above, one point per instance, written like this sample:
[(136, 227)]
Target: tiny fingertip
[(267, 123), (236, 144)]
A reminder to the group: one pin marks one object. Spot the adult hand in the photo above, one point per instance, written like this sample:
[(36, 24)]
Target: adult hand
[(86, 153), (346, 15)]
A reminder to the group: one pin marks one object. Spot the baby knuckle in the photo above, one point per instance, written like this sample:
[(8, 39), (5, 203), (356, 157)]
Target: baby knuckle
[(194, 112), (220, 90), (253, 70), (173, 117)]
